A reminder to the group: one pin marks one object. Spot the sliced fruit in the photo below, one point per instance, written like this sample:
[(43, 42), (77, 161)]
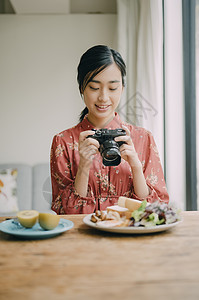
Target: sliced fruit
[(48, 221), (28, 218)]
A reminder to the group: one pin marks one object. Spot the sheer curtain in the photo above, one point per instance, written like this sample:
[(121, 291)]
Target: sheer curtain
[(140, 41)]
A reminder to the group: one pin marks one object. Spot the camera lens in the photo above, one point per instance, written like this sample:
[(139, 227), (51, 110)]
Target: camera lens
[(110, 153)]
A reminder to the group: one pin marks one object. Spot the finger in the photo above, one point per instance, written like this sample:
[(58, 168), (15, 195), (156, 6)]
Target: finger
[(126, 129), (91, 150), (83, 135), (90, 142), (84, 140), (125, 138), (127, 147)]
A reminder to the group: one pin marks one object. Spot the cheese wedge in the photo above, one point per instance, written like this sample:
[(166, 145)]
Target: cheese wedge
[(129, 203)]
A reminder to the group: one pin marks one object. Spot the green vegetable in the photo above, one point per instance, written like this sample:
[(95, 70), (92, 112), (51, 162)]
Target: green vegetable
[(154, 218), (142, 206), (137, 214), (155, 213), (151, 220)]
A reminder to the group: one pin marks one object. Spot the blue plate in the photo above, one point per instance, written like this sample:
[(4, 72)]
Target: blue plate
[(14, 228)]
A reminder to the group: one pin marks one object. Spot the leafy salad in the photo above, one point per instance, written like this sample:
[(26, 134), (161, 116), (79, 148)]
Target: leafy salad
[(157, 213)]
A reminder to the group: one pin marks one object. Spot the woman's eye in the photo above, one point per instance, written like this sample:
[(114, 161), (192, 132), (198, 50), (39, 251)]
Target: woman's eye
[(111, 89), (93, 88)]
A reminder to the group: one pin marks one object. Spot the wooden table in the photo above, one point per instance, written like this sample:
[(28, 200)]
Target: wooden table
[(84, 263)]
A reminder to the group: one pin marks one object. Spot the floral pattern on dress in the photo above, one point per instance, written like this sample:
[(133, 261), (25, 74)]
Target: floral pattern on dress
[(68, 168), (80, 203), (155, 149), (152, 178), (102, 199), (128, 194), (57, 204), (104, 183), (60, 134), (59, 150), (58, 180), (73, 146)]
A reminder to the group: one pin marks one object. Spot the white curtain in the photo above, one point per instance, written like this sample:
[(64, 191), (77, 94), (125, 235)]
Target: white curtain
[(140, 42)]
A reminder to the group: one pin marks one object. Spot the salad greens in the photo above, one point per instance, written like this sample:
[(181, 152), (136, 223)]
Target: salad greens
[(153, 214)]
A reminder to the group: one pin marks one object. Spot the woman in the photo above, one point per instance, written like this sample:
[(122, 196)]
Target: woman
[(80, 181)]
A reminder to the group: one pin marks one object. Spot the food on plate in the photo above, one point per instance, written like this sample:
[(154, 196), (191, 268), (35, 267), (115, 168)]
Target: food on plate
[(104, 216), (147, 215), (131, 204), (28, 218), (109, 218), (122, 211), (48, 221), (156, 213), (111, 223)]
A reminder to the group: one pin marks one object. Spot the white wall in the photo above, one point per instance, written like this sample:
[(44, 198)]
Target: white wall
[(39, 94)]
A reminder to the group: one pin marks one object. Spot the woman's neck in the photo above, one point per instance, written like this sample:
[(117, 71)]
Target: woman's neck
[(100, 123)]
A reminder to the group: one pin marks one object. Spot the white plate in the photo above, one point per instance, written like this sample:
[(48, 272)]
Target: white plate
[(36, 232), (129, 230)]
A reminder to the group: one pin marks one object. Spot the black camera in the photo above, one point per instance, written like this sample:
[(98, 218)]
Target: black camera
[(109, 148)]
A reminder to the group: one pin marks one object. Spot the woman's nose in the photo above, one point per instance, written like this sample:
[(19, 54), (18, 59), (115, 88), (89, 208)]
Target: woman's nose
[(103, 96)]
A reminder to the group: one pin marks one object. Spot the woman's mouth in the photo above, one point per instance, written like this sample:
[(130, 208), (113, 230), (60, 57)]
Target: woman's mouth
[(102, 107)]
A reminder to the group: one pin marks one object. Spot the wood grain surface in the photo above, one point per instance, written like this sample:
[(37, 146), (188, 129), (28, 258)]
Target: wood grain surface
[(84, 263)]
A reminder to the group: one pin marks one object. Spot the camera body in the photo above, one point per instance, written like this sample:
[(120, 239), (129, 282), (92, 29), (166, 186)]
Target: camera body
[(109, 148)]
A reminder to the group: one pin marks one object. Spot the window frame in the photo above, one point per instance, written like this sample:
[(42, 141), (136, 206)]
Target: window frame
[(189, 62)]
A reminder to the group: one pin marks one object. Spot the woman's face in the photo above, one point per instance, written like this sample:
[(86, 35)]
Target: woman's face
[(102, 95)]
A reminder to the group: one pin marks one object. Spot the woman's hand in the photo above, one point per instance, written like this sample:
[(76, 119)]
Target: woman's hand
[(128, 153), (88, 148), (127, 150)]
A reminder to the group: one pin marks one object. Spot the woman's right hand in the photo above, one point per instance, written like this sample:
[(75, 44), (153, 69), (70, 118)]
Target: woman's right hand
[(88, 148)]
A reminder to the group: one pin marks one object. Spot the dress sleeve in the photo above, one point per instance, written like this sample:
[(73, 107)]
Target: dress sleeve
[(153, 173), (65, 200)]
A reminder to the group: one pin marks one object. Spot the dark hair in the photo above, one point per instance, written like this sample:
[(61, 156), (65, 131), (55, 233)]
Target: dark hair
[(92, 62)]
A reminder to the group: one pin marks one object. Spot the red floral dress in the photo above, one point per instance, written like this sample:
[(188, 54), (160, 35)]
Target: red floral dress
[(106, 184)]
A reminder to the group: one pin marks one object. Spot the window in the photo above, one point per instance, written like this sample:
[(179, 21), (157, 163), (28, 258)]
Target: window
[(197, 91), (189, 61)]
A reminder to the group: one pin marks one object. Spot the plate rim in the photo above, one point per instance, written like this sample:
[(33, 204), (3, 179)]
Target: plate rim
[(32, 234), (130, 230)]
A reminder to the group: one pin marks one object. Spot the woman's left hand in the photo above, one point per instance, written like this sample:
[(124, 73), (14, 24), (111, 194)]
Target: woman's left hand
[(127, 150)]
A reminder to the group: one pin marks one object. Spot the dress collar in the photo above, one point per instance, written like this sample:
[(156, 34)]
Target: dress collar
[(113, 124)]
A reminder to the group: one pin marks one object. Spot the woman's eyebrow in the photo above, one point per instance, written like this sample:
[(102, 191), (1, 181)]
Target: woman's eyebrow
[(111, 81)]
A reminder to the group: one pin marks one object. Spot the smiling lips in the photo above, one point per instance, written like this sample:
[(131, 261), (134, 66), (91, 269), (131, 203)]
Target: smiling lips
[(102, 107)]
